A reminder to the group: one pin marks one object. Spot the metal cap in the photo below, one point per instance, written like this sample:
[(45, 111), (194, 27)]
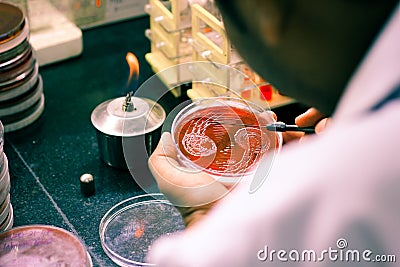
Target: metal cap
[(87, 184), (143, 117)]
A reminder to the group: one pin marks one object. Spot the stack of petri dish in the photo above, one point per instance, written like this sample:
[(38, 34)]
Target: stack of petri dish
[(21, 86), (6, 210), (42, 245)]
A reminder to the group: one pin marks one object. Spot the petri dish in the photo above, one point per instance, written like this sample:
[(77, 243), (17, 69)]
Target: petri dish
[(3, 157), (8, 221), (18, 70), (23, 101), (16, 30), (15, 21), (5, 188), (42, 245), (21, 86), (4, 180), (224, 136), (24, 118), (5, 209), (13, 55), (129, 228)]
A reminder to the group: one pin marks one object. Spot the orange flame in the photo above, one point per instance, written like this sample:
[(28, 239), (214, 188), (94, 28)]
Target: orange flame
[(133, 63)]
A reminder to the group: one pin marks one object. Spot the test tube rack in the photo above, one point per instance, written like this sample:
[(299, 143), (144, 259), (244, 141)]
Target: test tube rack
[(181, 32), (170, 30)]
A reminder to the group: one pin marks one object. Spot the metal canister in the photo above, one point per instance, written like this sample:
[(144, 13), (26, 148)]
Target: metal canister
[(128, 130)]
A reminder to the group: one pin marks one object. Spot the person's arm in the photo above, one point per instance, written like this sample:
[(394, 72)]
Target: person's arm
[(194, 193)]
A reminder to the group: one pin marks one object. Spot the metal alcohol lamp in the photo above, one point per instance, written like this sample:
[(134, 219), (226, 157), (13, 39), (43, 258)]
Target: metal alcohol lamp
[(128, 130)]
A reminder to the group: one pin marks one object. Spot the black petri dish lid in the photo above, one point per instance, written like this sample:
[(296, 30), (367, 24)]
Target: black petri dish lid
[(12, 21), (12, 55), (18, 71)]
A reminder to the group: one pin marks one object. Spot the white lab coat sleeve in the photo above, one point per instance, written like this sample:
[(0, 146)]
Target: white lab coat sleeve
[(343, 186)]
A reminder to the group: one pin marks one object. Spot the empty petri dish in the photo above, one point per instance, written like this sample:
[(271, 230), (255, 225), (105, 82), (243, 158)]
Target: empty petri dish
[(128, 229)]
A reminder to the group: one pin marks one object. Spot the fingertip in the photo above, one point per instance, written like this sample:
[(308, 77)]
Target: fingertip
[(166, 140), (309, 118), (165, 136), (321, 125), (274, 116)]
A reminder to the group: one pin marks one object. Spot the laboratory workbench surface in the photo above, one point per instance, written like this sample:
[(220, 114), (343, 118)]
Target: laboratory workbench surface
[(47, 158)]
